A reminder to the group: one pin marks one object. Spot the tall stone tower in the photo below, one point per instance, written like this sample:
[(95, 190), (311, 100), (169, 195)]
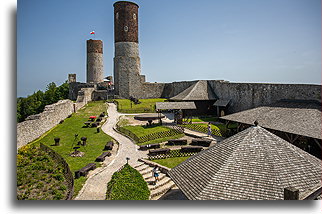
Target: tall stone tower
[(127, 67), (95, 69)]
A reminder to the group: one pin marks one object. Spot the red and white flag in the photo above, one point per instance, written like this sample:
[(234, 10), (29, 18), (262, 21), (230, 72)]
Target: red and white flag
[(93, 32)]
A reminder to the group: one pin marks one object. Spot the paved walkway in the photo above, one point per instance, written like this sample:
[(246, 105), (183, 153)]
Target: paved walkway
[(96, 185)]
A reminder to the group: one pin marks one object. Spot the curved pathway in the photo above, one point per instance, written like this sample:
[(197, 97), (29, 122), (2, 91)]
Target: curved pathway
[(96, 185)]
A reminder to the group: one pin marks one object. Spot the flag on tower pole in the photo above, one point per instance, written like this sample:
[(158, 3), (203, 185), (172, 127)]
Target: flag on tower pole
[(93, 32)]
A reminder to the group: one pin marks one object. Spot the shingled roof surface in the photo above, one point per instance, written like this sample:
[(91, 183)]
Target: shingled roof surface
[(251, 165), (301, 118), (201, 90), (175, 105)]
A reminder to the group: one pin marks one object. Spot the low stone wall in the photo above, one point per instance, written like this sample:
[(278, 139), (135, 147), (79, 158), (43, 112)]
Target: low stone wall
[(37, 125)]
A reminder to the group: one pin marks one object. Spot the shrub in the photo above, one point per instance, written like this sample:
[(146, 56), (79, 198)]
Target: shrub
[(127, 184)]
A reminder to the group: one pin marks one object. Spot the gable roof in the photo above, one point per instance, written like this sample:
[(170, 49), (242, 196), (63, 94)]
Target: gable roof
[(201, 90), (175, 105), (291, 116), (251, 165)]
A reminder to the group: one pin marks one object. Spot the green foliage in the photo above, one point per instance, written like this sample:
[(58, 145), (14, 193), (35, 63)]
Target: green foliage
[(127, 184), (33, 177), (35, 103)]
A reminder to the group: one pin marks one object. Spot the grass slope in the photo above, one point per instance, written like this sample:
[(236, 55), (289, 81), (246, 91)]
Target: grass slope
[(67, 130), (39, 177), (127, 184)]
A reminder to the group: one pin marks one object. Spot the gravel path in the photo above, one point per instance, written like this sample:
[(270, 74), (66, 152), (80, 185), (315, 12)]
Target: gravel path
[(96, 185)]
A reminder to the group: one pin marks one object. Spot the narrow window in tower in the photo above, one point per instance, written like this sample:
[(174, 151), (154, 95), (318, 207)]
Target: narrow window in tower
[(126, 29), (134, 16), (117, 15)]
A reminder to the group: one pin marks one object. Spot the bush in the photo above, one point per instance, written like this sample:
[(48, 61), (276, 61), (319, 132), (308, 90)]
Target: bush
[(127, 184)]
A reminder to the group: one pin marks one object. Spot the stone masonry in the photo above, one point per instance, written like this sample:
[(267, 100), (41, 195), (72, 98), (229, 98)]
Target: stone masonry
[(95, 68), (37, 125)]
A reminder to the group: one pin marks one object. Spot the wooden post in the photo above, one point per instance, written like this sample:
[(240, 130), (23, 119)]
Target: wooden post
[(291, 193)]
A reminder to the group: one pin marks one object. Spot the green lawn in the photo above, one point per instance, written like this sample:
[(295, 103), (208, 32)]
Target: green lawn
[(146, 105), (171, 162), (140, 131), (160, 140), (66, 132), (205, 119), (220, 127), (127, 184)]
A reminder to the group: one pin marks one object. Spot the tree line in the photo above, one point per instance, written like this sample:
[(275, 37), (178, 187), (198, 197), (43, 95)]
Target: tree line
[(35, 103)]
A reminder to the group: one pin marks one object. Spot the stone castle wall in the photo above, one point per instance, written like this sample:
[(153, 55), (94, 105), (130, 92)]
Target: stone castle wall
[(37, 125), (249, 95)]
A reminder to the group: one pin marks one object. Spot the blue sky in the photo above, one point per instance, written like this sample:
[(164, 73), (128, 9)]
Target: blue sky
[(274, 41)]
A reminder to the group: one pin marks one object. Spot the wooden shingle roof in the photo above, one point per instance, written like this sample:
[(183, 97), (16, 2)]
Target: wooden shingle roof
[(175, 105), (201, 90), (291, 116), (251, 165)]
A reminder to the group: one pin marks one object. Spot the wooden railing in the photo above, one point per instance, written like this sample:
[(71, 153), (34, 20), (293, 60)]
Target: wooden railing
[(67, 173), (203, 129), (171, 154)]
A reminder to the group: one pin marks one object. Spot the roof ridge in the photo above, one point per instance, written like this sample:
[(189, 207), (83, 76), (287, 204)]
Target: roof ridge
[(194, 86)]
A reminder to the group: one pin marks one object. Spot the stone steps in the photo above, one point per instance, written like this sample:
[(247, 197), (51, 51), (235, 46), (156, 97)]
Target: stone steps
[(157, 193), (160, 187)]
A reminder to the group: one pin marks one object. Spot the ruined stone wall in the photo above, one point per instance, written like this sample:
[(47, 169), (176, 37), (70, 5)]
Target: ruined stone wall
[(250, 95), (100, 95), (37, 125), (84, 96), (75, 87)]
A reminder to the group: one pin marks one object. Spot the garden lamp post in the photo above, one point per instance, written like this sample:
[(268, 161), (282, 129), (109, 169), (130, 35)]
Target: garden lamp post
[(127, 160)]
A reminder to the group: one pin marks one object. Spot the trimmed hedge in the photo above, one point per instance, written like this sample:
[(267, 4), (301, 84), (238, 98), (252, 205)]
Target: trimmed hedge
[(127, 184)]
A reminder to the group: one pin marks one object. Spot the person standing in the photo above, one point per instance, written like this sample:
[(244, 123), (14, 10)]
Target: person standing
[(209, 129), (156, 173)]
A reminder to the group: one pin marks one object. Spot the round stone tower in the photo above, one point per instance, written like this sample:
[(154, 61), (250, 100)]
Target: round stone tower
[(127, 68), (95, 69)]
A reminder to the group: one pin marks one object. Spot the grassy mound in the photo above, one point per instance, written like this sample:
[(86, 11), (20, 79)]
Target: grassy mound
[(39, 177), (127, 184)]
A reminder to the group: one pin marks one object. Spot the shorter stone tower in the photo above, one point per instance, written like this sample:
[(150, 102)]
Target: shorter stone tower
[(95, 69)]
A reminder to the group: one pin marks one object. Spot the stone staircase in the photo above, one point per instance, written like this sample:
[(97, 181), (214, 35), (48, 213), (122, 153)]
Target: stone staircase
[(161, 187)]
